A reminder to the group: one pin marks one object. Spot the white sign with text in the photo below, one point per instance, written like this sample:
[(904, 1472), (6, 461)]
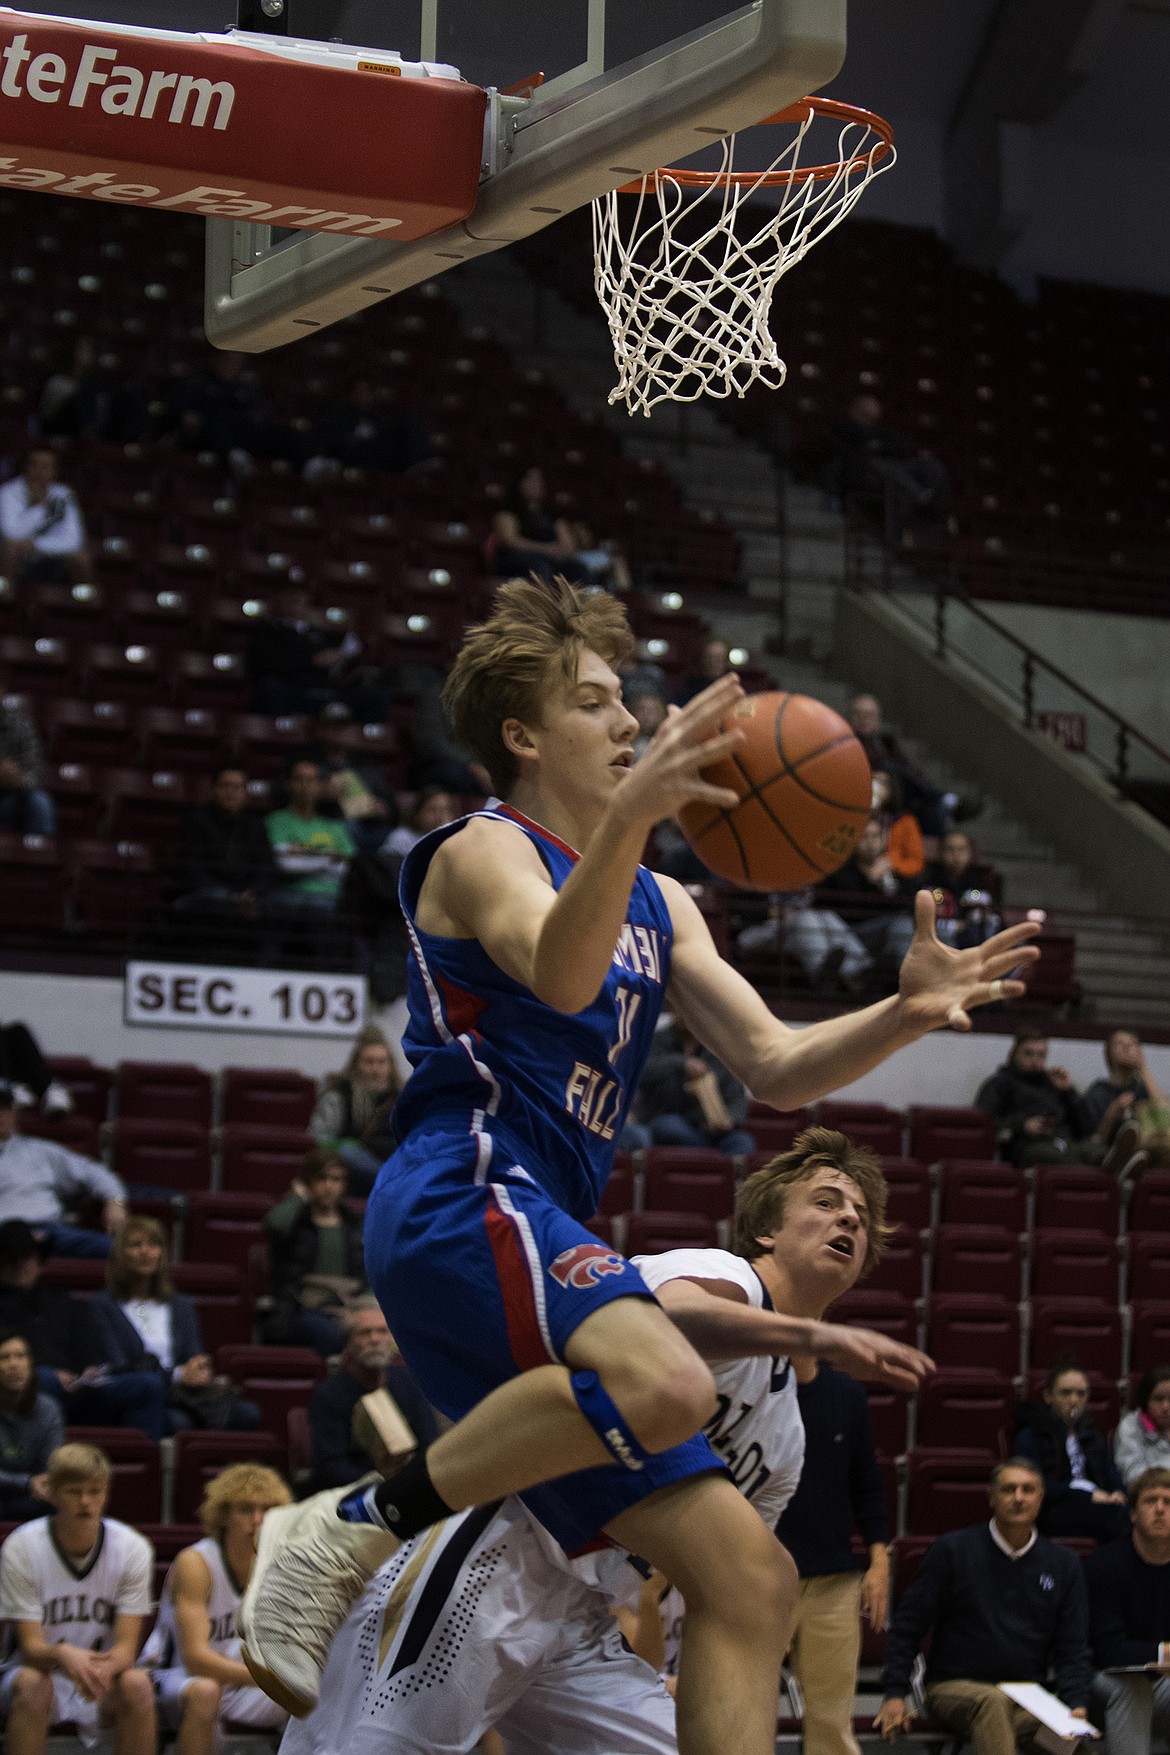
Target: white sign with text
[(200, 996)]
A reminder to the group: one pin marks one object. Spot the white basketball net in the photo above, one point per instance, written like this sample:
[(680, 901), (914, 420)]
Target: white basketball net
[(685, 274)]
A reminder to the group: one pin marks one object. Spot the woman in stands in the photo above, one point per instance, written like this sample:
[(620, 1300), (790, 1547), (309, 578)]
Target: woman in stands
[(1142, 1440), (315, 1260), (352, 1116), (145, 1325), (31, 1427), (528, 537)]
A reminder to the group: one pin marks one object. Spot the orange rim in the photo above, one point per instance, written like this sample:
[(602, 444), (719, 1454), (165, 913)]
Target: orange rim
[(797, 112)]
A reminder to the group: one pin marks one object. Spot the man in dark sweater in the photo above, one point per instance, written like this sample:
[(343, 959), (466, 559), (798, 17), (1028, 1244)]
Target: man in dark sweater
[(368, 1362), (840, 1489), (1128, 1583), (1001, 1604), (225, 865), (1041, 1118)]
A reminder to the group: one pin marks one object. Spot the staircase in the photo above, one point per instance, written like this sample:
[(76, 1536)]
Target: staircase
[(1123, 964)]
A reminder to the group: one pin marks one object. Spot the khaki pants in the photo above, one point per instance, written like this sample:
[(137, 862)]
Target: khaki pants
[(995, 1724), (826, 1640)]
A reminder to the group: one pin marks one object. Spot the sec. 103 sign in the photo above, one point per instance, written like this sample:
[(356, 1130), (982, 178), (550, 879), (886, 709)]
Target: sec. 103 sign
[(200, 996)]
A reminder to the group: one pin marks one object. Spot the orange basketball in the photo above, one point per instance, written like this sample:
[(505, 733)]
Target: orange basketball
[(805, 793)]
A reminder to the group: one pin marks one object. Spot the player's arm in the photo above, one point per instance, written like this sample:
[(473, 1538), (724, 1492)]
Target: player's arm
[(86, 1669), (190, 1588), (124, 1650), (488, 882), (717, 1319), (938, 986)]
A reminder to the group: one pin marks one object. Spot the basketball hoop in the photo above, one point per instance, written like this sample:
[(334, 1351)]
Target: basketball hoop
[(686, 296)]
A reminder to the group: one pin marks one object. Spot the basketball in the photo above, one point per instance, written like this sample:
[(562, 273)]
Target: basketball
[(805, 796)]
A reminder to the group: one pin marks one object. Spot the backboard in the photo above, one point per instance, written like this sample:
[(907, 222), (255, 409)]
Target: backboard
[(621, 95)]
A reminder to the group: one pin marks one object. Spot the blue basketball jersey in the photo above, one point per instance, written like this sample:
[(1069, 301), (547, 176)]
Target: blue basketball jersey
[(549, 1089)]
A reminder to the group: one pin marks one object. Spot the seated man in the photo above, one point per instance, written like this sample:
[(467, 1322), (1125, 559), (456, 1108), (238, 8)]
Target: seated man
[(1083, 1491), (1001, 1604), (42, 535), (40, 1181), (25, 806), (935, 809), (194, 1652), (226, 869), (312, 851), (1128, 1585), (74, 1588), (686, 1098), (1129, 1094), (1041, 1117), (369, 1361), (968, 895), (66, 1345)]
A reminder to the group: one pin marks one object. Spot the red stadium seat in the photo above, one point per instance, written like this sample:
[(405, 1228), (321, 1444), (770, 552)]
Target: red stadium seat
[(618, 1193), (909, 1192), (146, 806), (262, 1160), (887, 1413), (1073, 1198), (33, 885), (964, 1410), (889, 1312), (87, 1084), (655, 1233), (947, 1490), (74, 1273), (277, 1379), (907, 1558), (1150, 1207), (267, 1097), (1149, 1265), (77, 1133), (986, 1260), (136, 1487), (937, 1132), (188, 738), (223, 1227), (602, 1227), (100, 732), (300, 1447), (169, 1539), (1151, 1333), (775, 1133), (1076, 1264), (675, 1188), (979, 1193), (163, 1091), (970, 1331), (867, 1124), (114, 885), (217, 1292), (200, 1455), (900, 1268), (1085, 1329), (162, 1154)]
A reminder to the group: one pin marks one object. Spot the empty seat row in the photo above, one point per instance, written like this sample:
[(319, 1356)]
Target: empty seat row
[(179, 1091)]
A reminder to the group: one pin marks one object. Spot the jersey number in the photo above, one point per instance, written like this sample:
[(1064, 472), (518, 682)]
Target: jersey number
[(627, 1005)]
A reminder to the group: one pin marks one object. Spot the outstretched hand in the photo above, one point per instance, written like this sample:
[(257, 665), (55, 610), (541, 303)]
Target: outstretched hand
[(875, 1357), (940, 986)]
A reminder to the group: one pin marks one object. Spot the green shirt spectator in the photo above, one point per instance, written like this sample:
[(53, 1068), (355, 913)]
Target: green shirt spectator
[(313, 852)]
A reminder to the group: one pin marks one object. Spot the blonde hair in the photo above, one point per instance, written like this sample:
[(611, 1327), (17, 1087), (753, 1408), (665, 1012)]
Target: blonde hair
[(362, 1106), (72, 1463), (759, 1206), (233, 1485), (120, 1276), (504, 663)]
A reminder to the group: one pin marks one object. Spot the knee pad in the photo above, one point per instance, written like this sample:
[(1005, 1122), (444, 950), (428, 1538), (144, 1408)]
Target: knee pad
[(602, 1414)]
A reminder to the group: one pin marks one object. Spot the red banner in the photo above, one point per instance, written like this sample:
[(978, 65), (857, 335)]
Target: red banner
[(214, 126)]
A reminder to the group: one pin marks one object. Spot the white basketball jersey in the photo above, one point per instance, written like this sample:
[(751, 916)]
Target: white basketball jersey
[(756, 1428), (75, 1605), (161, 1650)]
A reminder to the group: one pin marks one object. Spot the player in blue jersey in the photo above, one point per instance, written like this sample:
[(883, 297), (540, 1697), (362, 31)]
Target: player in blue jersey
[(542, 952)]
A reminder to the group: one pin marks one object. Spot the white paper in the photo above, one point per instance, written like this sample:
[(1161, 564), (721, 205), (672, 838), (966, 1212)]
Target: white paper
[(1047, 1708)]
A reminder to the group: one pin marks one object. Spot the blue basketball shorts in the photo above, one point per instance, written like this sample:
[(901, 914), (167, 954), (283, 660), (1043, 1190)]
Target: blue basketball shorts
[(483, 1279)]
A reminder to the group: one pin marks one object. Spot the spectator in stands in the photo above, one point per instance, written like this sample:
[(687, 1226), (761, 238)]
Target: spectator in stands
[(359, 791), (1128, 1585), (220, 407), (968, 895), (366, 430), (436, 759), (528, 535), (31, 1427), (1041, 1118), (200, 1680), (869, 460), (840, 1489), (1142, 1439), (226, 869), (315, 1261), (601, 563), (687, 1098), (42, 534), (1084, 1494), (714, 662), (432, 808), (143, 1324), (40, 1181), (25, 805), (25, 1069), (312, 851), (1001, 1604), (352, 1116), (935, 809), (368, 1361), (1130, 1094), (66, 1345), (73, 1667), (649, 708), (77, 399), (295, 665)]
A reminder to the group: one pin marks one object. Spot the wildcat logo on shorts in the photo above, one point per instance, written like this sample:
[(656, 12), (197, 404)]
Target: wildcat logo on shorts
[(584, 1264)]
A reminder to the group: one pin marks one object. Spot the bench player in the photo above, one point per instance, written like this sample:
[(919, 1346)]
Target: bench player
[(485, 1621), (542, 955), (74, 1589), (194, 1651)]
